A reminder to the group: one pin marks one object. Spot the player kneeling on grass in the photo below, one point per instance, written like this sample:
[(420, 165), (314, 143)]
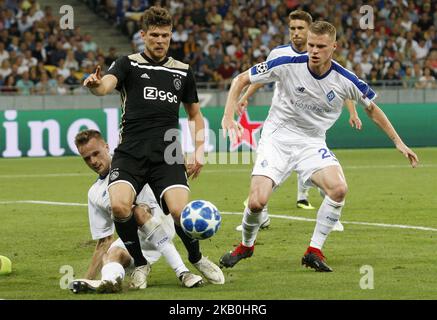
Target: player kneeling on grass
[(155, 230)]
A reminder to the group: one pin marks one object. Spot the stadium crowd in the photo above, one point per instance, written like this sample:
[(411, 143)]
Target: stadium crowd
[(219, 38)]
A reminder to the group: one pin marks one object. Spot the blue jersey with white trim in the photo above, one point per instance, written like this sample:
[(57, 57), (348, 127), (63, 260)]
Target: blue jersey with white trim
[(309, 104), (151, 93)]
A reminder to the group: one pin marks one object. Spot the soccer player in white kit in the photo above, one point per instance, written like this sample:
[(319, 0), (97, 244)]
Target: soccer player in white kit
[(299, 22), (311, 95), (155, 229)]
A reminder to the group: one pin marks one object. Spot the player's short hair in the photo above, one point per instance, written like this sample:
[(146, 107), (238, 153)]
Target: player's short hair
[(156, 17), (84, 136), (300, 15), (322, 27)]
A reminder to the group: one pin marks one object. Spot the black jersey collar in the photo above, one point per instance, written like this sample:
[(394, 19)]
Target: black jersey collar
[(151, 61)]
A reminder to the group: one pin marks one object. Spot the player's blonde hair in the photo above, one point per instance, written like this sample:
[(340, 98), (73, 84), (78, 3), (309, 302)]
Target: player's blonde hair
[(301, 15), (85, 136), (322, 27), (156, 17)]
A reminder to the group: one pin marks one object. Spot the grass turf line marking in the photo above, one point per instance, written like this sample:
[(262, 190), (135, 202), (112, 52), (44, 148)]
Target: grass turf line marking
[(372, 224)]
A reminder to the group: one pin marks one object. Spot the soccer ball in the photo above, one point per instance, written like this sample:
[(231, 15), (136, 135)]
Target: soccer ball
[(200, 219)]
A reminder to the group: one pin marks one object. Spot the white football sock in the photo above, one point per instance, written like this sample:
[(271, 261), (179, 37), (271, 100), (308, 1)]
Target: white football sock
[(113, 270), (250, 224), (327, 216), (302, 190), (264, 214), (156, 234)]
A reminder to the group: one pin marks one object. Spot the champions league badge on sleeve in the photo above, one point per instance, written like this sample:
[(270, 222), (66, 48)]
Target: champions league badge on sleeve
[(261, 67)]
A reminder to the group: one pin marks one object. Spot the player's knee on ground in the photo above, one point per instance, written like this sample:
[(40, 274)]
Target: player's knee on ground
[(337, 192), (119, 255)]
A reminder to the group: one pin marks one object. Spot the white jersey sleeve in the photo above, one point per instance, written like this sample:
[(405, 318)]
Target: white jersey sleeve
[(264, 72), (99, 210), (101, 224), (356, 89)]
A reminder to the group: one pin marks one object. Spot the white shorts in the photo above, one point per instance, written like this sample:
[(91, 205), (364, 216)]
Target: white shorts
[(281, 151)]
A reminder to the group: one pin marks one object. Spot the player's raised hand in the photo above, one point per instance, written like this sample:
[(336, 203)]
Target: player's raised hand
[(93, 80), (355, 122), (232, 128), (409, 154)]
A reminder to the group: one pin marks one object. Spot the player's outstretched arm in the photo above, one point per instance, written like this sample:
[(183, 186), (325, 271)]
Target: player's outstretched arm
[(95, 266), (229, 125), (354, 119), (100, 86), (244, 100), (379, 117), (197, 130)]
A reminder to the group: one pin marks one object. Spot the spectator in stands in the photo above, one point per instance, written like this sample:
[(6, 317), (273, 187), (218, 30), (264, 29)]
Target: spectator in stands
[(374, 77), (5, 69), (45, 86), (88, 44), (133, 15), (70, 61), (190, 47), (4, 55), (137, 42), (409, 80), (420, 49), (25, 86), (14, 44), (61, 88), (62, 69), (431, 61), (213, 17), (226, 71), (79, 54), (57, 54), (21, 66), (9, 85), (198, 14), (33, 75), (29, 60), (90, 60), (71, 80), (39, 52), (391, 77), (111, 57), (427, 81), (212, 61), (24, 23)]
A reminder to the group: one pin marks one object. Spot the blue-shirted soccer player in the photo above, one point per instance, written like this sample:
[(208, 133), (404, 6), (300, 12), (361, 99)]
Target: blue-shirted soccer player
[(312, 92)]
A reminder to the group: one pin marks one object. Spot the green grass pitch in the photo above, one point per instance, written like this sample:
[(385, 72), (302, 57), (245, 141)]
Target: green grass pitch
[(40, 239)]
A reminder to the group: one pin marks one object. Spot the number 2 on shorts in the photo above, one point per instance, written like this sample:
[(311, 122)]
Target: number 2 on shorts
[(326, 153)]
